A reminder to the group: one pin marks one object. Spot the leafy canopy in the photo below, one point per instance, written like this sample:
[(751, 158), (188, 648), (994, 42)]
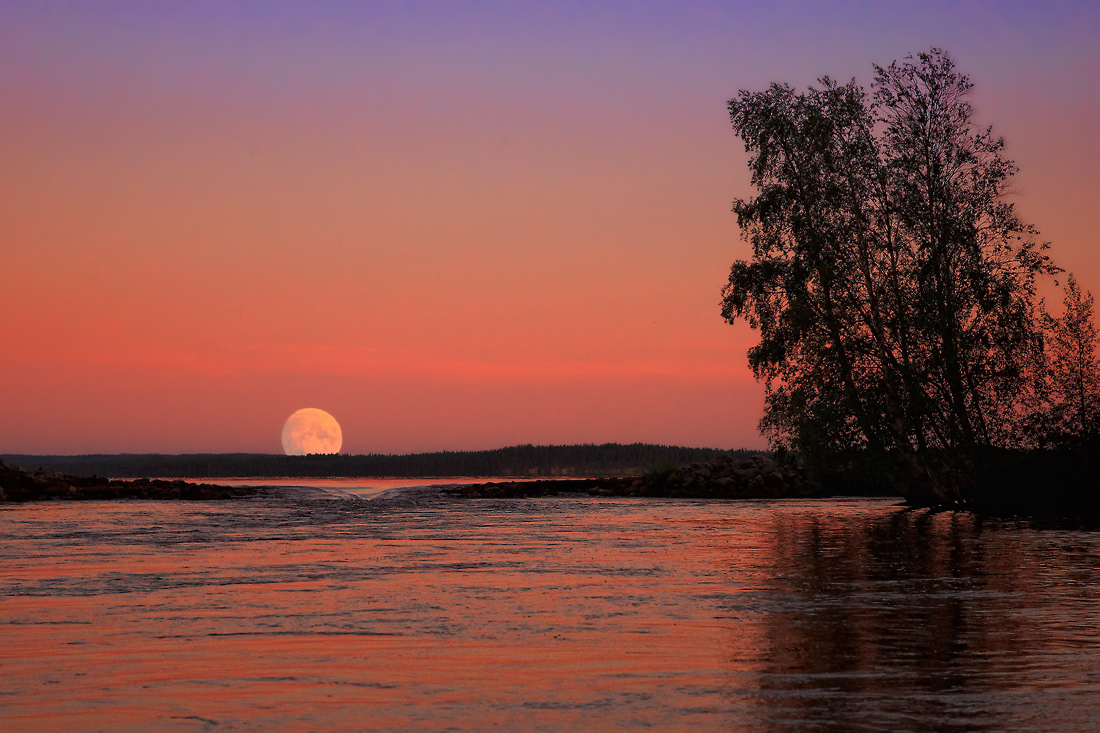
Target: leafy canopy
[(892, 282)]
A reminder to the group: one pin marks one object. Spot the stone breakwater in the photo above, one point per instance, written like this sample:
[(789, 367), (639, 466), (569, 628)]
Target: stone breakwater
[(758, 477), (17, 485)]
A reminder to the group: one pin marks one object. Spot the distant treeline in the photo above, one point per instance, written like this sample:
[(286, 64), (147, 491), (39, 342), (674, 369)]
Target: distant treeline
[(609, 459)]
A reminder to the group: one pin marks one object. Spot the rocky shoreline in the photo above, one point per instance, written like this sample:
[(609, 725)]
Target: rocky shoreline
[(17, 485), (757, 477)]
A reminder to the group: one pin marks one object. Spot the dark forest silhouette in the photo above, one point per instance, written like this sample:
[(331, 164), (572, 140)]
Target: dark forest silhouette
[(894, 289), (608, 459)]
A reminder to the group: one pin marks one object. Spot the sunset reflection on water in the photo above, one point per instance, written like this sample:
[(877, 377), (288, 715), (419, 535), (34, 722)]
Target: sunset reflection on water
[(308, 610)]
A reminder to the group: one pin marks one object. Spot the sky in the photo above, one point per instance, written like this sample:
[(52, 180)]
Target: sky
[(453, 226)]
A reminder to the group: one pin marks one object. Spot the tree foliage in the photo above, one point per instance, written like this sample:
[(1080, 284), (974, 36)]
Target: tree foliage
[(892, 283), (1074, 381)]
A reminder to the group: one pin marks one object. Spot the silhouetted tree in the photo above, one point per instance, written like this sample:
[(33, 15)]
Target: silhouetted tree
[(1073, 375), (892, 283)]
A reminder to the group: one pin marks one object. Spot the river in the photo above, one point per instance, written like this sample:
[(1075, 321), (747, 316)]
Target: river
[(375, 605)]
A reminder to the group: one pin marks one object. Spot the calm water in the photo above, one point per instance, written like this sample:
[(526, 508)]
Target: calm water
[(395, 607)]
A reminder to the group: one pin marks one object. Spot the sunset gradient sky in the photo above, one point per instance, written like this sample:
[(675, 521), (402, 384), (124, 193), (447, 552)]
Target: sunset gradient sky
[(451, 225)]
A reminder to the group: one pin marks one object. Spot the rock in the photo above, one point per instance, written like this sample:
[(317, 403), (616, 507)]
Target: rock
[(772, 480), (24, 486)]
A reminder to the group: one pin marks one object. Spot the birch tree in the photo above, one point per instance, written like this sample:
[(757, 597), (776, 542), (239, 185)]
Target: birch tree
[(891, 280)]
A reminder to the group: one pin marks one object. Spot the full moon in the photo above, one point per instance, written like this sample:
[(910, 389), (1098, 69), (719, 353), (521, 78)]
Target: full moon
[(310, 430)]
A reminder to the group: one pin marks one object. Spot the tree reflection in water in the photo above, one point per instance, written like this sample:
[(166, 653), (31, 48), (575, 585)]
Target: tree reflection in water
[(924, 620)]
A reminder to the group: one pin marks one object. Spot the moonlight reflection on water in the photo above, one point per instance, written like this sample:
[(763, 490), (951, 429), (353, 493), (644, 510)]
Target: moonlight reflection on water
[(319, 609)]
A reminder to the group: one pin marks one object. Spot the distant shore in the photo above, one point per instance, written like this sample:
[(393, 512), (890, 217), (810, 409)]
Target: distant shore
[(1009, 484), (17, 485), (520, 461), (754, 477), (726, 477)]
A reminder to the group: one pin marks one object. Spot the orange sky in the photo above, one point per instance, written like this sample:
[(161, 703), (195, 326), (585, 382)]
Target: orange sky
[(451, 229)]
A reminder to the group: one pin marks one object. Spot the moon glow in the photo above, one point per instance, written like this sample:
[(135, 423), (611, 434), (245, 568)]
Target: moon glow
[(310, 430)]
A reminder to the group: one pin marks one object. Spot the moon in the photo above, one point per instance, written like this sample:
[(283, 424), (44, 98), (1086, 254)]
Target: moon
[(310, 430)]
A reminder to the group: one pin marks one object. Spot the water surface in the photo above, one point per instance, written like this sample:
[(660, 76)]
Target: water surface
[(376, 605)]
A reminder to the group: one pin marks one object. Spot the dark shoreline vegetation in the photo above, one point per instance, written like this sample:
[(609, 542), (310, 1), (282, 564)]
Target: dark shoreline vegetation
[(584, 460), (1002, 483)]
